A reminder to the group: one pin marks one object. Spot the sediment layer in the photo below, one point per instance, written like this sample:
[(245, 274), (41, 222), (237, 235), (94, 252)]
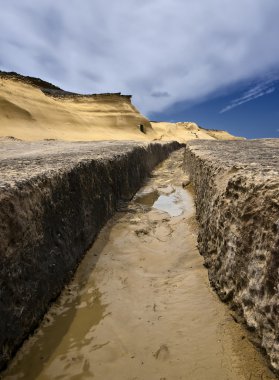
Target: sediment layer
[(237, 200), (54, 199)]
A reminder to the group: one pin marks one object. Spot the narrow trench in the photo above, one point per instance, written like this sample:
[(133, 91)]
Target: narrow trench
[(140, 306)]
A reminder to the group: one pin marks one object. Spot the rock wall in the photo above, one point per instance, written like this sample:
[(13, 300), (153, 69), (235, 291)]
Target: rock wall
[(237, 200), (54, 199)]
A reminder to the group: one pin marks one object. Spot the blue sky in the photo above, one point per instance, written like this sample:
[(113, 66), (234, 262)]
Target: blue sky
[(215, 62), (254, 116)]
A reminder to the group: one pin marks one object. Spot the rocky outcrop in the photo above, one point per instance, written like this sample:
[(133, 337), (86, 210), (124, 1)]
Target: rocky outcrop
[(54, 199), (237, 200)]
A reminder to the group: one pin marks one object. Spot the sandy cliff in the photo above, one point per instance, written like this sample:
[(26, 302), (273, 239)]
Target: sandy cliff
[(32, 112), (32, 109)]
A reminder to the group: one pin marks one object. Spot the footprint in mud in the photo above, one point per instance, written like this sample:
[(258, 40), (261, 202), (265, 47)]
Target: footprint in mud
[(163, 232), (141, 232), (163, 353), (124, 281)]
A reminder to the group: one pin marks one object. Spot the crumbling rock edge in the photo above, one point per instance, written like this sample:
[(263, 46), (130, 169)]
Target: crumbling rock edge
[(237, 201), (52, 206)]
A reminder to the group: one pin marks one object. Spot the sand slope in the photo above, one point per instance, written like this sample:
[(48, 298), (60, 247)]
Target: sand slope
[(32, 109), (29, 114), (185, 131)]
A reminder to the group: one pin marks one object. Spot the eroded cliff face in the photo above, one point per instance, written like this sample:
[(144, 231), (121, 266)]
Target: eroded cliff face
[(237, 200), (54, 199), (32, 109)]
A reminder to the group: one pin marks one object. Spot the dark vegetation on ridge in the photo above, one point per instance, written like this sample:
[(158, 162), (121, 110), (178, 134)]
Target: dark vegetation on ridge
[(49, 88)]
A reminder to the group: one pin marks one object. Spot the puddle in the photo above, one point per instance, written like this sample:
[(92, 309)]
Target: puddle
[(140, 306), (174, 204), (148, 198), (172, 200)]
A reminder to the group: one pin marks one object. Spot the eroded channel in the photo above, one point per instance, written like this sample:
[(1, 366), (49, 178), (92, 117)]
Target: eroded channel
[(140, 306)]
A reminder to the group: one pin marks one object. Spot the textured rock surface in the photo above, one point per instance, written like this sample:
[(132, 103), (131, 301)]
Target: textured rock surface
[(54, 199), (237, 199)]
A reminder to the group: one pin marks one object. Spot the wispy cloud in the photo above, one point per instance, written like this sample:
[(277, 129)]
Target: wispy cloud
[(160, 94), (188, 49), (261, 89)]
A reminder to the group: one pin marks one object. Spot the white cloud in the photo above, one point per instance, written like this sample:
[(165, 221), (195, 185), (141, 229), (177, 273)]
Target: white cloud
[(261, 89), (186, 49)]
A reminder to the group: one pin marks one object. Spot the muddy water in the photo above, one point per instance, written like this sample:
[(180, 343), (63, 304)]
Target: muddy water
[(140, 306)]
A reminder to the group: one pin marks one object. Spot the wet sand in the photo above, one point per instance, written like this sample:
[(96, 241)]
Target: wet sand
[(140, 306)]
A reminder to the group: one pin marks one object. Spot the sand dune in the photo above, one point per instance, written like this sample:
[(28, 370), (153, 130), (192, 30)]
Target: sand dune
[(32, 109)]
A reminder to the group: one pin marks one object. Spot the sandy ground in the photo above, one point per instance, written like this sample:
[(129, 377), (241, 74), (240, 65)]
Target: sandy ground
[(27, 113), (140, 306)]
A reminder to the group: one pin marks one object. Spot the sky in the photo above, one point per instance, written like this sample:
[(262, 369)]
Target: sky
[(215, 62)]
